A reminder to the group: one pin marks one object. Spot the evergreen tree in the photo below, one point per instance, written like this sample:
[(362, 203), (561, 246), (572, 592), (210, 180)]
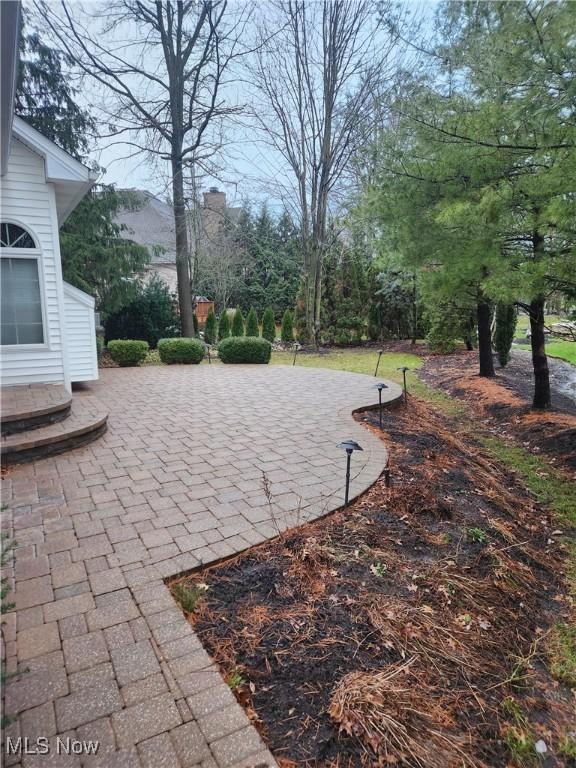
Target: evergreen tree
[(287, 331), (46, 98), (238, 323), (195, 323), (269, 325), (210, 328), (95, 256), (252, 323), (504, 331), (223, 326), (150, 316)]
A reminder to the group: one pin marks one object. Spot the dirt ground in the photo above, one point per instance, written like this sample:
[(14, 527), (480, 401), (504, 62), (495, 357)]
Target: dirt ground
[(411, 628), (503, 403)]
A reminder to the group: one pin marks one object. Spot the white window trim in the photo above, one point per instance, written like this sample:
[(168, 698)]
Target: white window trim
[(29, 253)]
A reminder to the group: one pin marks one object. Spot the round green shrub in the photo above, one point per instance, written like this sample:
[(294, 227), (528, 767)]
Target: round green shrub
[(269, 325), (238, 323), (210, 328), (252, 328), (127, 352), (287, 331), (223, 326), (247, 349), (181, 350)]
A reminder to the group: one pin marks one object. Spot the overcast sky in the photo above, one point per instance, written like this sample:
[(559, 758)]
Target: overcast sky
[(249, 168)]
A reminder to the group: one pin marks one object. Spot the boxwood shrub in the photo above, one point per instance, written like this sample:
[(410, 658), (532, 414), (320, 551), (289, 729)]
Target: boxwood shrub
[(181, 350), (248, 349), (128, 351)]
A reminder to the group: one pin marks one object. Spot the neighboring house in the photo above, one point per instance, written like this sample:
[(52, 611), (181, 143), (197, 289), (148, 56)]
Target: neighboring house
[(151, 223), (47, 330)]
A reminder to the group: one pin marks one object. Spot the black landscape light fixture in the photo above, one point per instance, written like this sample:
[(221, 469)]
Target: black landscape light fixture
[(349, 446), (296, 350), (380, 353), (404, 369), (380, 387), (208, 353)]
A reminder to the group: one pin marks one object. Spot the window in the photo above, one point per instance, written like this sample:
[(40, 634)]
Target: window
[(21, 320)]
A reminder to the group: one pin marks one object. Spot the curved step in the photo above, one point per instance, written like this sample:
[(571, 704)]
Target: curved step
[(32, 406), (86, 422)]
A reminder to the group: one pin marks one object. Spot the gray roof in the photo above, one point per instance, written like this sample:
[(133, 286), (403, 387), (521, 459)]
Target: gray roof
[(151, 225)]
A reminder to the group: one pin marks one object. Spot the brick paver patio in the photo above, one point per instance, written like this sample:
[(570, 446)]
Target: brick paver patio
[(177, 481)]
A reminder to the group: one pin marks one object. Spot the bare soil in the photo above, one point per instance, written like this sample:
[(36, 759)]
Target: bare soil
[(409, 629)]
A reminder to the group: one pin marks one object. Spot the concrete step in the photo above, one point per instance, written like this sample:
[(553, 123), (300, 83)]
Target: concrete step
[(33, 406), (85, 422)]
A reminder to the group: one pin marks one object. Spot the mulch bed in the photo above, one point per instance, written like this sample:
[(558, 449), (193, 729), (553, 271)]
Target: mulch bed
[(409, 629), (503, 403)]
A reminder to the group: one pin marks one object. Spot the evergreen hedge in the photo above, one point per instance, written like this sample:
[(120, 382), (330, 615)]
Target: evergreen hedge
[(238, 323), (128, 352), (245, 350), (210, 328), (181, 350), (252, 328), (269, 325), (287, 331), (223, 326)]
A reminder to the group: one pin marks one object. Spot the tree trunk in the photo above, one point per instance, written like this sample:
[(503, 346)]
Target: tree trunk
[(542, 398), (182, 256), (485, 338)]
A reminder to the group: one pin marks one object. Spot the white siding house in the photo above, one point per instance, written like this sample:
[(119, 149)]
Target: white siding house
[(48, 332)]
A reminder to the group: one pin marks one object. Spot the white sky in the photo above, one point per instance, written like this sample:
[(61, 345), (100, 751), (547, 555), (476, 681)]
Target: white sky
[(251, 170)]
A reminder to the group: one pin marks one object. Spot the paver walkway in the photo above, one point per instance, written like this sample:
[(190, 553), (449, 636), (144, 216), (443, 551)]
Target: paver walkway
[(177, 481)]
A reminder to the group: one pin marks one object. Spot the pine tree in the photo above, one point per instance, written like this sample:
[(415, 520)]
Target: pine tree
[(195, 322), (252, 328), (287, 332), (210, 328), (269, 325), (223, 326), (238, 323), (504, 331)]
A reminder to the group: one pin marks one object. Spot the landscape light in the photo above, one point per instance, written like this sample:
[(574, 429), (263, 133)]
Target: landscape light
[(380, 387), (296, 350), (380, 353), (404, 369), (349, 446), (208, 353)]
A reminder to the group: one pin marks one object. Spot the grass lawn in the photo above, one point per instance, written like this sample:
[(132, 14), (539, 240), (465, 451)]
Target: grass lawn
[(565, 350), (524, 322)]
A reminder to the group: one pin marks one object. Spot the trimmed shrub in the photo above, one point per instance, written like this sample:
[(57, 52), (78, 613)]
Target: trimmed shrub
[(245, 350), (181, 350), (287, 331), (210, 328), (252, 328), (223, 326), (127, 352), (238, 323), (195, 323), (269, 325)]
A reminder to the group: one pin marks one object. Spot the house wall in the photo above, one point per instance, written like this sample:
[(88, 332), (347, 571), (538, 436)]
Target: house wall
[(27, 199), (80, 335)]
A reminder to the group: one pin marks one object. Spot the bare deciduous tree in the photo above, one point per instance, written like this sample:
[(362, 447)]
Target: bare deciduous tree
[(319, 76), (165, 82)]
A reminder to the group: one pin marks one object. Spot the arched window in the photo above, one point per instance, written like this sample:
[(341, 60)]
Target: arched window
[(15, 236), (22, 321)]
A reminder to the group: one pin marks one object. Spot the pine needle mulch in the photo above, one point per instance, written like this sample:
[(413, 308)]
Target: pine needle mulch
[(407, 630)]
